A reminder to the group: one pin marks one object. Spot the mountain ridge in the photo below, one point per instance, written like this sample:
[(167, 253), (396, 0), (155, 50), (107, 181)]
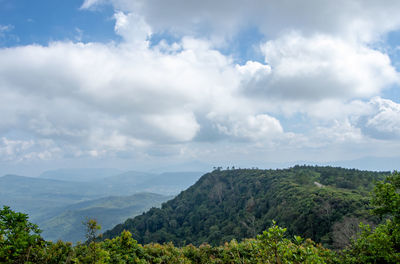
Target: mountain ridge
[(227, 204)]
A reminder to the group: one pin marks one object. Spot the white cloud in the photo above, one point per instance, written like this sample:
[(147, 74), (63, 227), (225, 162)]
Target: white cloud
[(381, 120), (109, 98), (258, 128), (320, 67), (180, 126), (91, 3), (20, 150), (357, 19), (338, 132), (355, 122), (132, 28)]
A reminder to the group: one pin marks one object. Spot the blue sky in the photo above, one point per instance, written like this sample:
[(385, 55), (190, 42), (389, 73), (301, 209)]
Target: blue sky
[(30, 23), (45, 21), (196, 84)]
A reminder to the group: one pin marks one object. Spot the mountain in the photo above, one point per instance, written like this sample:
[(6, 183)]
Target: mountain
[(315, 202), (80, 175), (108, 212), (168, 183), (53, 204), (38, 196), (115, 182), (33, 195)]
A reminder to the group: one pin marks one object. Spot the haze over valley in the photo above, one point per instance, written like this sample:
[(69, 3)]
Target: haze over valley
[(60, 201)]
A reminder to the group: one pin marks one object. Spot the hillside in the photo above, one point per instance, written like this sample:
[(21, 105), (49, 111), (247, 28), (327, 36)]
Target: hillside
[(108, 212), (315, 202), (35, 196), (38, 196), (59, 206)]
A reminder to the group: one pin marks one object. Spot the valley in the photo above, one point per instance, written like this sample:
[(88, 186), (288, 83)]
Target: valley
[(60, 206)]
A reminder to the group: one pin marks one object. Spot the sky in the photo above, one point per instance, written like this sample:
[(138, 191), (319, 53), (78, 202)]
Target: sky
[(188, 85)]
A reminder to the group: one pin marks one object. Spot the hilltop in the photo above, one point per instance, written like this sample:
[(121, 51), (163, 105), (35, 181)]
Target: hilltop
[(315, 202)]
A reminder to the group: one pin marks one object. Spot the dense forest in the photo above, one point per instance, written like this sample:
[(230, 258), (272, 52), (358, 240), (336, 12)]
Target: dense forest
[(20, 242), (322, 203)]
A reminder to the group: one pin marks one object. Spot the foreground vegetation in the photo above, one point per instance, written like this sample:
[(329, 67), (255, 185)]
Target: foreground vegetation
[(20, 242)]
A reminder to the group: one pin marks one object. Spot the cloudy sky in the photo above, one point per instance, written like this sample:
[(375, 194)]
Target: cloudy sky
[(189, 84)]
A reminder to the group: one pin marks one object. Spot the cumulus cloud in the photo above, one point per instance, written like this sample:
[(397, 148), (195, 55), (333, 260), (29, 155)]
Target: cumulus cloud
[(319, 67), (108, 99), (363, 20), (381, 120), (376, 120), (132, 28), (255, 128)]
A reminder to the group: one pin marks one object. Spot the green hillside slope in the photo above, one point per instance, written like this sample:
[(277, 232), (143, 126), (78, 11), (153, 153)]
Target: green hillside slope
[(53, 204), (108, 212), (315, 202), (43, 198)]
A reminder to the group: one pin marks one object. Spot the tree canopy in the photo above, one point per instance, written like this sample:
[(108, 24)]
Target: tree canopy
[(314, 202)]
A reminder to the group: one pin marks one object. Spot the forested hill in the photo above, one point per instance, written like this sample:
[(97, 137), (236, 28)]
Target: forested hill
[(321, 203)]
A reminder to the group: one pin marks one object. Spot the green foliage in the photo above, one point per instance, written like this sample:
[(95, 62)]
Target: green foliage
[(386, 197), (92, 227), (19, 238), (90, 254), (275, 248), (374, 246), (381, 245), (124, 249), (55, 253)]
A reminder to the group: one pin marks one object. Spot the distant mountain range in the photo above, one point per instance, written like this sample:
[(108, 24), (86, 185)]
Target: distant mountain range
[(108, 211), (80, 175), (58, 195), (115, 182)]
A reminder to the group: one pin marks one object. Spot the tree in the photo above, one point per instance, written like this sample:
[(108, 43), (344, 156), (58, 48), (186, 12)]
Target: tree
[(19, 239), (346, 230), (91, 252), (381, 245), (275, 248), (92, 227), (386, 198)]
